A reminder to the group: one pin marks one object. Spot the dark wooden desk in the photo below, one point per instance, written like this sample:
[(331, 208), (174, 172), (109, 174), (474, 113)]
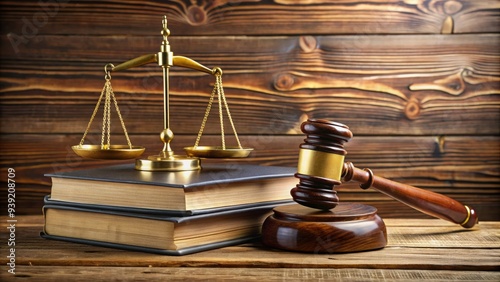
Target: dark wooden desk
[(431, 250)]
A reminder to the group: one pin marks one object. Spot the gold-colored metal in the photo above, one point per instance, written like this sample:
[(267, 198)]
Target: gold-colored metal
[(468, 216), (111, 152), (175, 163), (106, 150), (181, 61), (320, 164), (217, 152), (166, 158), (139, 61)]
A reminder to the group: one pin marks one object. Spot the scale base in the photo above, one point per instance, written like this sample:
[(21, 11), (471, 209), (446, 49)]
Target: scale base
[(173, 163), (347, 228)]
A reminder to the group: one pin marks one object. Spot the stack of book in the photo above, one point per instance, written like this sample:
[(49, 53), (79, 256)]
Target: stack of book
[(173, 213)]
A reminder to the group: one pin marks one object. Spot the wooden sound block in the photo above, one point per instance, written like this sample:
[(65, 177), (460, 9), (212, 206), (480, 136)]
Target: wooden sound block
[(349, 227)]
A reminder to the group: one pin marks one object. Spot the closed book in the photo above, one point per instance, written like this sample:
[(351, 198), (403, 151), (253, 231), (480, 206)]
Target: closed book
[(157, 232), (214, 186)]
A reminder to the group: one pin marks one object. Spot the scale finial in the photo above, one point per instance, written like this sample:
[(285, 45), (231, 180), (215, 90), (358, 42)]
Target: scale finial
[(165, 31)]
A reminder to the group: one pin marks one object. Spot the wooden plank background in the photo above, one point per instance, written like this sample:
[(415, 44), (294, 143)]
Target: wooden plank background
[(417, 249), (417, 82)]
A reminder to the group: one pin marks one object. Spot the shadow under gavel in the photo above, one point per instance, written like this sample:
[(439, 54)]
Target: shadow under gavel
[(320, 217)]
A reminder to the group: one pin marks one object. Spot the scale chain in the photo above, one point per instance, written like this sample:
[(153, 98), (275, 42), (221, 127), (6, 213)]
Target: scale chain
[(221, 118), (106, 121), (120, 116), (93, 115), (205, 117), (227, 110), (219, 89)]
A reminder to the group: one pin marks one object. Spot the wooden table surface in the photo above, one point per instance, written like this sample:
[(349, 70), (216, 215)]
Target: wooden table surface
[(418, 249)]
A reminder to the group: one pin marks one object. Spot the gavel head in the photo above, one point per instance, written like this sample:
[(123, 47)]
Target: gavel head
[(321, 159)]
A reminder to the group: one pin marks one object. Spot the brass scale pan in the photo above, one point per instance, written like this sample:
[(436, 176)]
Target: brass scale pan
[(123, 152)]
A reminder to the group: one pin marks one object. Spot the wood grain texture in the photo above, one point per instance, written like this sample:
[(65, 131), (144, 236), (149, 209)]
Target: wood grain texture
[(463, 168), (427, 248), (255, 17), (417, 82), (99, 273), (450, 85), (415, 160)]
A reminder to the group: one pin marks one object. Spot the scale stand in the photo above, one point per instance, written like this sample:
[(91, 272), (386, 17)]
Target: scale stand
[(167, 160)]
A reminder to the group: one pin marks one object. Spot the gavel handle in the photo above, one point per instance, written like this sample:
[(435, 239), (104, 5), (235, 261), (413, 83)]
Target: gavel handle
[(428, 202)]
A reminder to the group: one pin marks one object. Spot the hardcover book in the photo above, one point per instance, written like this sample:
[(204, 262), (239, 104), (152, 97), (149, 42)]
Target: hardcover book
[(158, 232), (214, 186)]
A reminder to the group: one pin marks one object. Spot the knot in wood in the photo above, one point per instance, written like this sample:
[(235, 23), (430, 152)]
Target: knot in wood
[(284, 81), (307, 43), (196, 15), (452, 7), (412, 109)]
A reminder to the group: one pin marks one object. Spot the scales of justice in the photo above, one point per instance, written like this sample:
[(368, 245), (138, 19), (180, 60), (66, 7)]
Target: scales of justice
[(166, 160), (316, 222)]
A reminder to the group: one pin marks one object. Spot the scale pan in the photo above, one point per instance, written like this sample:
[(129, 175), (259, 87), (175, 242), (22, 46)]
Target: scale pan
[(115, 152), (217, 152)]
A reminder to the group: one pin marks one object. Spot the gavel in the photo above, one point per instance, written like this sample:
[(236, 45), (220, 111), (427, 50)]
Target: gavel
[(319, 223), (321, 166)]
